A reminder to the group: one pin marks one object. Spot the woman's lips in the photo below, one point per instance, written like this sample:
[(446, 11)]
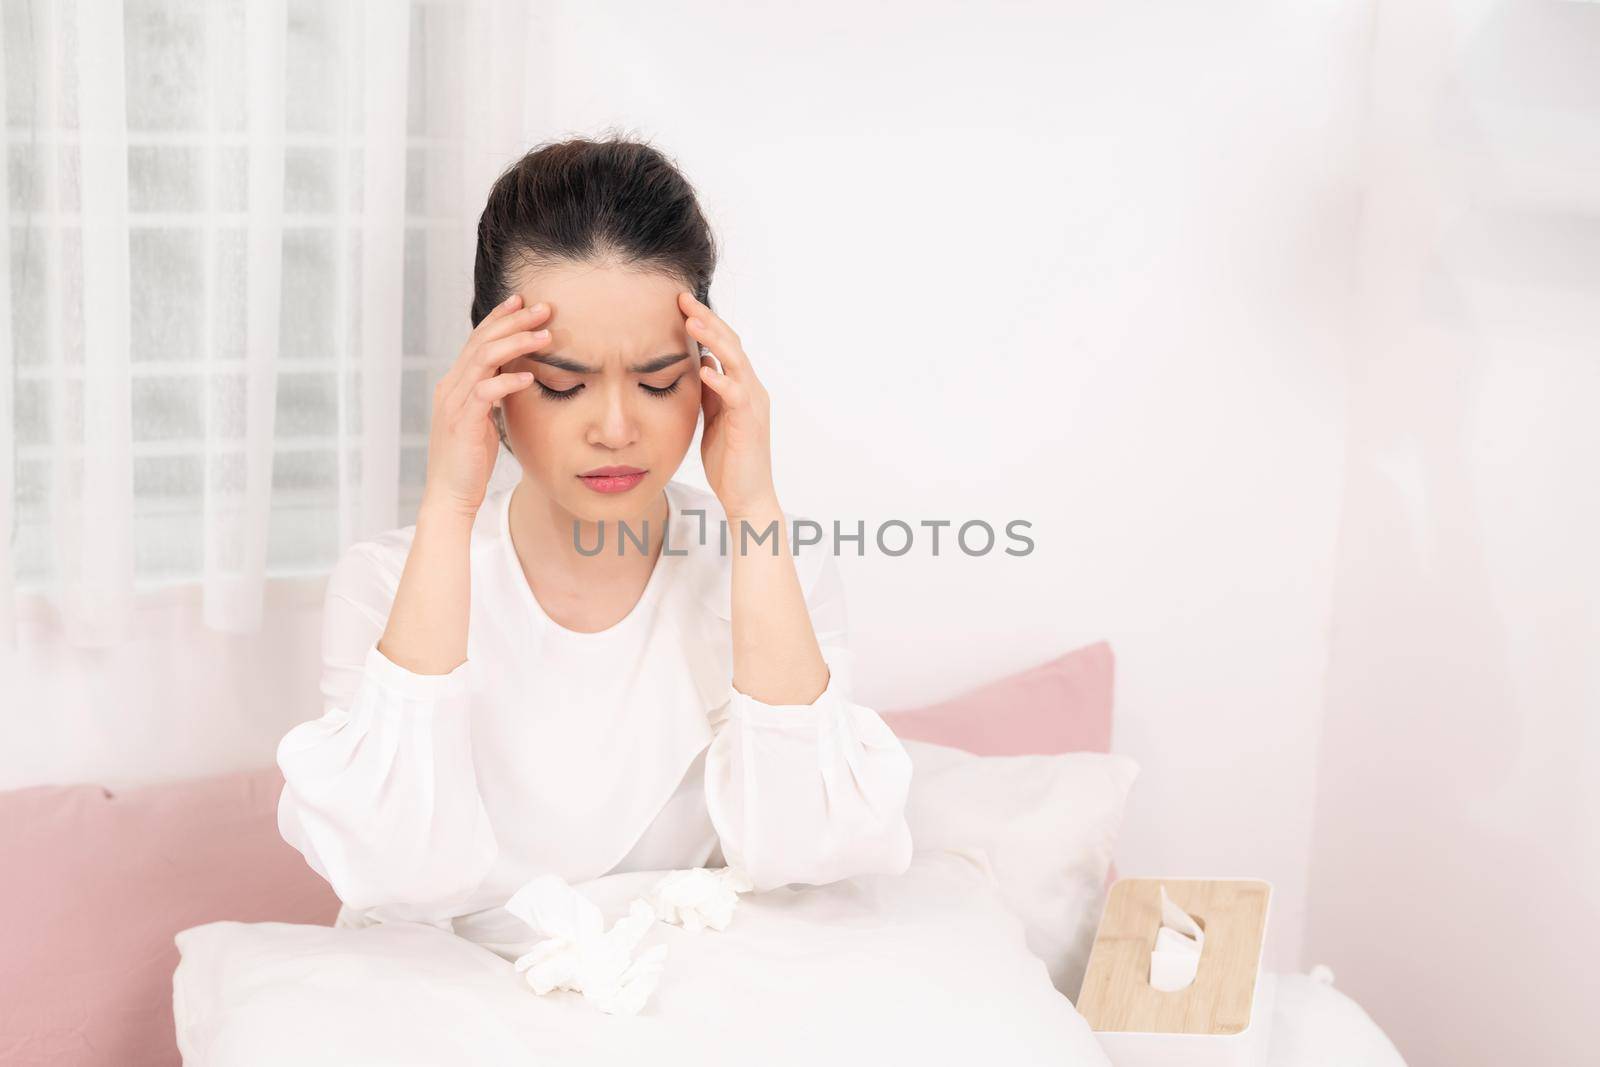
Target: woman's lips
[(612, 479)]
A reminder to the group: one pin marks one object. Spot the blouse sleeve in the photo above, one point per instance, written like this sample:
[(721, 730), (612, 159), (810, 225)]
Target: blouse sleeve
[(810, 792), (380, 794)]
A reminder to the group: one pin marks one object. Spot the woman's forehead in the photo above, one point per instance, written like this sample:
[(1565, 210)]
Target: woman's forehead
[(608, 313)]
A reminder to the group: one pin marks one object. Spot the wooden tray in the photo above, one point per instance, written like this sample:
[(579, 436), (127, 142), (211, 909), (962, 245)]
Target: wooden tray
[(1117, 995)]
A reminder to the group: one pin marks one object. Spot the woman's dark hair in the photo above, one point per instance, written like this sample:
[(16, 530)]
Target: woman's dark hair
[(582, 200)]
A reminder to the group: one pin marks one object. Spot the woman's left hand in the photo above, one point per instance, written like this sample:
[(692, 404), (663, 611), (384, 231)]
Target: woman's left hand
[(736, 447)]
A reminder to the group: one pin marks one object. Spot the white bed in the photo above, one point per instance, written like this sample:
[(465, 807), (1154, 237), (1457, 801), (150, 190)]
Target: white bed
[(928, 967), (961, 959)]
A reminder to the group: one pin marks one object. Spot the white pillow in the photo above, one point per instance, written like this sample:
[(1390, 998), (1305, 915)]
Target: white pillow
[(1049, 825), (1315, 1025), (926, 967)]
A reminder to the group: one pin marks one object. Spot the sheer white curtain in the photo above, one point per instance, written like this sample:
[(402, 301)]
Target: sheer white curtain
[(1457, 786), (237, 252)]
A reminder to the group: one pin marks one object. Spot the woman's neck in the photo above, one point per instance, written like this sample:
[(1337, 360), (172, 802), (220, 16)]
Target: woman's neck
[(547, 538)]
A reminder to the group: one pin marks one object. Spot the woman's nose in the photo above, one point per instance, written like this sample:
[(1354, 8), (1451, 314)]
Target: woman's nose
[(615, 427)]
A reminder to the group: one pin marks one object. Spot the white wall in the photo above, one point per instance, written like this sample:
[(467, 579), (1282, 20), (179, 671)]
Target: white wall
[(1083, 265), (1080, 264), (1456, 858)]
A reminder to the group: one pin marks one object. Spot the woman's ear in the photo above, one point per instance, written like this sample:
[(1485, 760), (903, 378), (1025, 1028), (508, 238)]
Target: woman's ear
[(497, 415)]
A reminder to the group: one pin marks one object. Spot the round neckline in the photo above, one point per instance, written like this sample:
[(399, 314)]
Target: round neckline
[(652, 585)]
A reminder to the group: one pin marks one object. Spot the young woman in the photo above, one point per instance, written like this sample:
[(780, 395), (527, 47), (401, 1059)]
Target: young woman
[(502, 701)]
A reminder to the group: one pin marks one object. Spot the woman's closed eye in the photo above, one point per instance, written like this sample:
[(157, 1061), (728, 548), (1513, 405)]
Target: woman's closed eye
[(567, 394), (557, 394), (662, 390)]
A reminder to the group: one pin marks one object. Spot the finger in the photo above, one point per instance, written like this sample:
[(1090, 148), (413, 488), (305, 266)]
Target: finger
[(487, 392), (505, 307), (491, 330), (504, 320), (736, 372), (491, 356), (730, 392), (707, 327), (488, 360), (496, 313), (509, 323), (725, 346)]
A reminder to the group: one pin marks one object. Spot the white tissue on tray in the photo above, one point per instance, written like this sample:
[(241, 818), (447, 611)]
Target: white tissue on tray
[(1175, 959), (579, 954)]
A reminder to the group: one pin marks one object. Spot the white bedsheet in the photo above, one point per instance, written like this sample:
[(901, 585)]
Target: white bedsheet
[(928, 967)]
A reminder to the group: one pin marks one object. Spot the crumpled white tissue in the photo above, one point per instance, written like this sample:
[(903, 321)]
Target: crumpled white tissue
[(699, 897), (1175, 958), (579, 954)]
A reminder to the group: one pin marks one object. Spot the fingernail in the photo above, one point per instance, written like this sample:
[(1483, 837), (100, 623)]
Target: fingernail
[(697, 324), (513, 298)]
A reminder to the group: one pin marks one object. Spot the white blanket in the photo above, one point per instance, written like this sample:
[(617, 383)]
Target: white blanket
[(928, 967)]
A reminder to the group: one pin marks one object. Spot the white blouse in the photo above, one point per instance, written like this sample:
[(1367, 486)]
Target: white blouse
[(549, 751)]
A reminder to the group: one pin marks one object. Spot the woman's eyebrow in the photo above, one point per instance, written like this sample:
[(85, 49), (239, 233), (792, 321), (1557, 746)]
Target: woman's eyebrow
[(659, 363), (573, 366)]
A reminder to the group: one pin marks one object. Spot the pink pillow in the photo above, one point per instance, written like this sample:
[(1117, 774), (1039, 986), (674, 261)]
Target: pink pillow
[(1060, 706), (98, 883)]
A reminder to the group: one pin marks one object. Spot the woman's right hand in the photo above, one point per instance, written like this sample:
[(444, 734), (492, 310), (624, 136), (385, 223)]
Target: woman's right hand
[(462, 443)]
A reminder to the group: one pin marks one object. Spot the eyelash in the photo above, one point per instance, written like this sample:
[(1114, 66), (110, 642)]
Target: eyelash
[(568, 394)]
